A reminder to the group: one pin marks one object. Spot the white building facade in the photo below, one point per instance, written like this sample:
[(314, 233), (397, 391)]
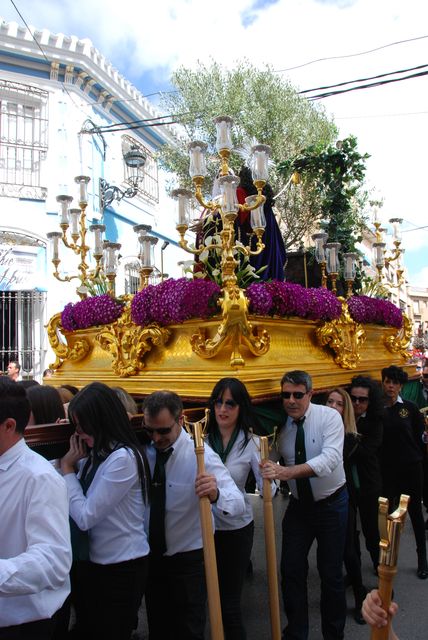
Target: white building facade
[(57, 96)]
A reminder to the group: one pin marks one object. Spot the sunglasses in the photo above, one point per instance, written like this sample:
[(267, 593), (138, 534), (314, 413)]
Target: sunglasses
[(161, 431), (230, 404), (356, 399), (297, 395)]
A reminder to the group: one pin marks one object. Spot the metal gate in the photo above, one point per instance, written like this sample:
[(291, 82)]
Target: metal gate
[(22, 332)]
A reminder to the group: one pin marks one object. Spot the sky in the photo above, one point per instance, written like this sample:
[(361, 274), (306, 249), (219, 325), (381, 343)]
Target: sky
[(311, 43)]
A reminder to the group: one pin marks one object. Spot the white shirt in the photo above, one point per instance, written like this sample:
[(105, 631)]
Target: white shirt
[(35, 552), (239, 462), (182, 519), (324, 435), (112, 510)]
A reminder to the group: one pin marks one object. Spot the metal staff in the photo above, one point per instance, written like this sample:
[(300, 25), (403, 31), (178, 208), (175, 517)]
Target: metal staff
[(390, 527), (275, 623), (211, 577)]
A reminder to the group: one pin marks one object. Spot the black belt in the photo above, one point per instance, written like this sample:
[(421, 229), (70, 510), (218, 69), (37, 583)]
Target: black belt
[(333, 495)]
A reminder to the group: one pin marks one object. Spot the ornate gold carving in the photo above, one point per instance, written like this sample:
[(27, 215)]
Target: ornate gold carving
[(128, 343), (235, 329), (400, 342), (344, 336), (62, 351)]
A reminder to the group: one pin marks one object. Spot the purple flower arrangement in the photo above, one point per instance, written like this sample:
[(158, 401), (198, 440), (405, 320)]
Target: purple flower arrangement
[(277, 298), (91, 312), (174, 301), (375, 310)]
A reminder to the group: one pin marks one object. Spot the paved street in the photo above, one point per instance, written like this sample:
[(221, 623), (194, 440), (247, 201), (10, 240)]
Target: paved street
[(410, 592)]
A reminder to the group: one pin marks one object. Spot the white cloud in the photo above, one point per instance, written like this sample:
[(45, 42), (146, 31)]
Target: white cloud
[(420, 279), (158, 36)]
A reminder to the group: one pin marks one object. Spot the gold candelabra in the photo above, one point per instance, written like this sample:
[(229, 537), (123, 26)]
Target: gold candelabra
[(382, 259), (235, 327), (76, 219)]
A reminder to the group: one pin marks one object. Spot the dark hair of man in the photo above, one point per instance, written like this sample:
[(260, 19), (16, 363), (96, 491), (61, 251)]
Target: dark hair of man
[(395, 374), (17, 365), (246, 418), (46, 404), (297, 377), (97, 410), (14, 404), (159, 400), (375, 405), (28, 383), (246, 182), (72, 389)]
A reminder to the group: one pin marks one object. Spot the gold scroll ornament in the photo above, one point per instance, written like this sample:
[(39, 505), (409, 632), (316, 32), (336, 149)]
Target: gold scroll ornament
[(62, 351), (344, 336), (390, 527), (400, 342)]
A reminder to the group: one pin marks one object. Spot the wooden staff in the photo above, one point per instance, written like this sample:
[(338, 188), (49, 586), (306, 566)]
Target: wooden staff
[(390, 527), (272, 572), (211, 577)]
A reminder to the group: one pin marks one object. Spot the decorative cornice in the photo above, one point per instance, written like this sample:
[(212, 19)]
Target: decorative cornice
[(77, 59)]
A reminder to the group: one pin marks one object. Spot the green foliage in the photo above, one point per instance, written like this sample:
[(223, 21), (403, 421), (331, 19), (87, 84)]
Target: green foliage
[(265, 108)]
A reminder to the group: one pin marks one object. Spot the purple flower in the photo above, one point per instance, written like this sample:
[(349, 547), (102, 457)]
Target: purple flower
[(174, 301), (91, 312), (287, 299), (375, 310)]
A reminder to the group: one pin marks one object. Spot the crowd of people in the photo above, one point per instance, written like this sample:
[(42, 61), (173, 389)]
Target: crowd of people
[(116, 519)]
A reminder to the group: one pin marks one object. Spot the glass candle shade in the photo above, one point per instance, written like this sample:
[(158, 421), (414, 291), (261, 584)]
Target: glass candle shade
[(74, 221), (183, 197), (257, 216), (224, 136), (64, 202), (319, 240), (82, 181), (98, 230), (197, 151), (349, 266), (111, 257), (379, 251), (53, 237), (332, 255), (259, 161), (396, 231), (147, 250), (228, 185)]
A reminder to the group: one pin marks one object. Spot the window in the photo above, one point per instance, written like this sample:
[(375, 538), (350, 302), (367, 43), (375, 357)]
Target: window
[(23, 139)]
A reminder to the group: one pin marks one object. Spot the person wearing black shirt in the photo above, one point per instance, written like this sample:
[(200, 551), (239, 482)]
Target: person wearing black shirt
[(402, 456), (366, 400)]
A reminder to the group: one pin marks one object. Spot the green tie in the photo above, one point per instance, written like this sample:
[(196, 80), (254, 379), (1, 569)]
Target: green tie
[(157, 504), (303, 485)]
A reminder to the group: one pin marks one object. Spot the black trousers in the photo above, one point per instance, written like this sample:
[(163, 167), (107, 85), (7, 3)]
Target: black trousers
[(38, 630), (408, 480), (368, 506), (233, 551), (107, 598), (176, 596), (352, 555)]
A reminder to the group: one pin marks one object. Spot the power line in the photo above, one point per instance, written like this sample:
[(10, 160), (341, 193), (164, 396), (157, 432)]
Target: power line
[(382, 115), (350, 55), (366, 86)]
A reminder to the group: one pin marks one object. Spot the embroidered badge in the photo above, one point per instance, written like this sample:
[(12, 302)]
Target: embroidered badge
[(403, 413)]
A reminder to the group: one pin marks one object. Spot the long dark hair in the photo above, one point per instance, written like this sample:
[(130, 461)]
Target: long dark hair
[(246, 418), (46, 404), (99, 413)]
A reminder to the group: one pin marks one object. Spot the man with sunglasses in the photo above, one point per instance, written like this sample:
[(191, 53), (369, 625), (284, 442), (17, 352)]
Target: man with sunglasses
[(176, 590), (402, 454), (366, 397), (311, 445)]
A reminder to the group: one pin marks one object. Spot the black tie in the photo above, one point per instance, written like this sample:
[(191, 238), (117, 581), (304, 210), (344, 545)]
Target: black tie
[(303, 485), (157, 506)]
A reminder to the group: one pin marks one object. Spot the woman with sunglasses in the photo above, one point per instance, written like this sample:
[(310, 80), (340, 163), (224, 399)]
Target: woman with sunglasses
[(105, 471), (229, 433), (339, 399)]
